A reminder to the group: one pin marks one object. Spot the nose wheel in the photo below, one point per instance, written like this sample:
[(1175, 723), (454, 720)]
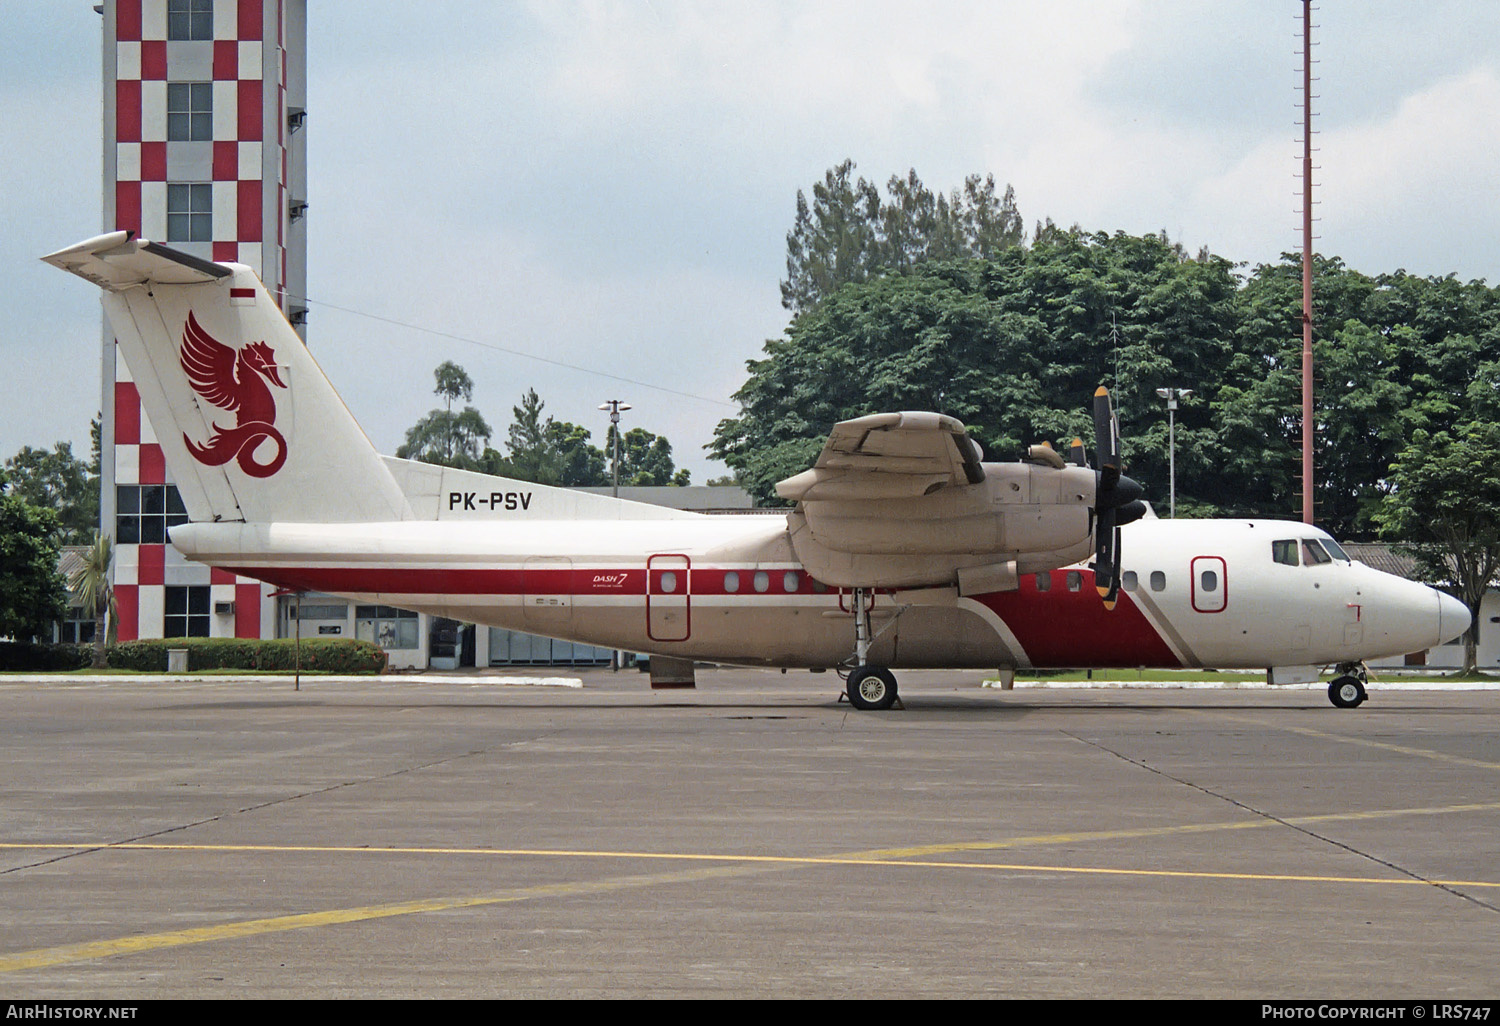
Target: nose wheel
[(1348, 689)]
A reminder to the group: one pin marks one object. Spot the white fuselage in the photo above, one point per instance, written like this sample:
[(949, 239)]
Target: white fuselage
[(729, 589)]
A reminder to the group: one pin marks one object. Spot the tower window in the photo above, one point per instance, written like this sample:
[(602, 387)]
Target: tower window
[(190, 19), (190, 111), (190, 213)]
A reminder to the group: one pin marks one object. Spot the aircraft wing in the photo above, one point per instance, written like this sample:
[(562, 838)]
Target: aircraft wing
[(888, 456)]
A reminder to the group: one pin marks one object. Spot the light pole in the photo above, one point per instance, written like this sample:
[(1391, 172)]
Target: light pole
[(1172, 395), (614, 408)]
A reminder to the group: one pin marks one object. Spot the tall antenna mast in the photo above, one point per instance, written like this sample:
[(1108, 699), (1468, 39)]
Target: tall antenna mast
[(1308, 425)]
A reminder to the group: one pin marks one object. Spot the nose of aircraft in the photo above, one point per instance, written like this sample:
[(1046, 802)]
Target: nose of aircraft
[(1453, 617)]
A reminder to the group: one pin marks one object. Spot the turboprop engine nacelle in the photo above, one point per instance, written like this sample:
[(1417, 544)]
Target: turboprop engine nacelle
[(909, 532)]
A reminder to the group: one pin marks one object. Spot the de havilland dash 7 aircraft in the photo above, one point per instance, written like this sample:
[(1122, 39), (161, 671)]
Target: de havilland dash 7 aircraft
[(903, 549)]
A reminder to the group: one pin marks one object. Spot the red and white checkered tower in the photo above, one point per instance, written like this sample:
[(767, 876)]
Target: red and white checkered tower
[(204, 150)]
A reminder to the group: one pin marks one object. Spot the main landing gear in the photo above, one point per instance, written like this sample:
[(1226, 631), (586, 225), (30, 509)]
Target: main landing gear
[(870, 688), (1348, 689)]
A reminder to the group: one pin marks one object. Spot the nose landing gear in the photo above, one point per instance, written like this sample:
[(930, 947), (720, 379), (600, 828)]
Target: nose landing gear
[(1348, 689)]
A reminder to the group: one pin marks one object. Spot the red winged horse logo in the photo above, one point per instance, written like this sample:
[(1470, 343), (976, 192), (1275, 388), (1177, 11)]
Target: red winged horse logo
[(234, 381)]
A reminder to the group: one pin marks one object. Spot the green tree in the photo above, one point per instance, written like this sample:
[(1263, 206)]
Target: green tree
[(446, 438), (849, 234), (645, 459), (551, 452), (32, 594), (95, 594), (1444, 509), (57, 480), (834, 240)]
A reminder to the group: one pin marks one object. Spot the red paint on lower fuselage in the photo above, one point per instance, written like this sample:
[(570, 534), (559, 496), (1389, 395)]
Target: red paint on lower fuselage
[(1063, 628)]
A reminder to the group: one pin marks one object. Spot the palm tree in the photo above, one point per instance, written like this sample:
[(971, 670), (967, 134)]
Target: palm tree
[(91, 584)]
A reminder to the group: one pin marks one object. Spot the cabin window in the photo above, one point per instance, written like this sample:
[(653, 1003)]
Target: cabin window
[(1208, 581), (668, 581), (1313, 554), (1044, 582), (1284, 551), (1158, 581), (1075, 580), (1129, 581), (790, 581), (761, 581), (732, 581), (819, 586)]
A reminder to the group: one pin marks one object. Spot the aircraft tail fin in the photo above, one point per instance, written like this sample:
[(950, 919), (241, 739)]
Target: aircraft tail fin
[(250, 426)]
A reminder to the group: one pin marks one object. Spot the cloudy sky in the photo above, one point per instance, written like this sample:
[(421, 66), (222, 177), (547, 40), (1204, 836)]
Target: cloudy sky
[(608, 186)]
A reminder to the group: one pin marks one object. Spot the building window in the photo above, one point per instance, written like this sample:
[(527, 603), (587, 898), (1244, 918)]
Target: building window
[(386, 626), (187, 612), (190, 213), (190, 111), (78, 628), (190, 19), (319, 611), (144, 513)]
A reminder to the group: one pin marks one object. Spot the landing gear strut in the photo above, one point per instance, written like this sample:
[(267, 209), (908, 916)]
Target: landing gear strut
[(870, 688), (1348, 689)]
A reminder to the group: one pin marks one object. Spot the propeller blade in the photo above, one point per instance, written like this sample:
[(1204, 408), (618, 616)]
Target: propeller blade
[(1106, 440), (1075, 453), (1111, 594), (1106, 549)]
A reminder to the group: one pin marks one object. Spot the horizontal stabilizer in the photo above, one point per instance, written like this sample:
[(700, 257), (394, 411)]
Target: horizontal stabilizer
[(120, 261)]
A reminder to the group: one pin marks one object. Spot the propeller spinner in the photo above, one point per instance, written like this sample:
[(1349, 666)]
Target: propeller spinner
[(1117, 499)]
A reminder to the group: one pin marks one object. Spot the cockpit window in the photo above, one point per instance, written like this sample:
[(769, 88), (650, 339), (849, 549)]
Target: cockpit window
[(1285, 551), (1314, 552), (1337, 550)]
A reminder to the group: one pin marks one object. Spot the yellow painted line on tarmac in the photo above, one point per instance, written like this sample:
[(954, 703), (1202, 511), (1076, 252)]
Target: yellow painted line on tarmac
[(44, 957), (1135, 833), (1421, 753), (730, 866)]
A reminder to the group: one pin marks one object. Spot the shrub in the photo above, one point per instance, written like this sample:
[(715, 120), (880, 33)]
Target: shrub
[(328, 655), (27, 655)]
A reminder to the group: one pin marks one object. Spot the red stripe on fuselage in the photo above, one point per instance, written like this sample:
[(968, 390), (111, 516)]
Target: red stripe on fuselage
[(1066, 628)]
